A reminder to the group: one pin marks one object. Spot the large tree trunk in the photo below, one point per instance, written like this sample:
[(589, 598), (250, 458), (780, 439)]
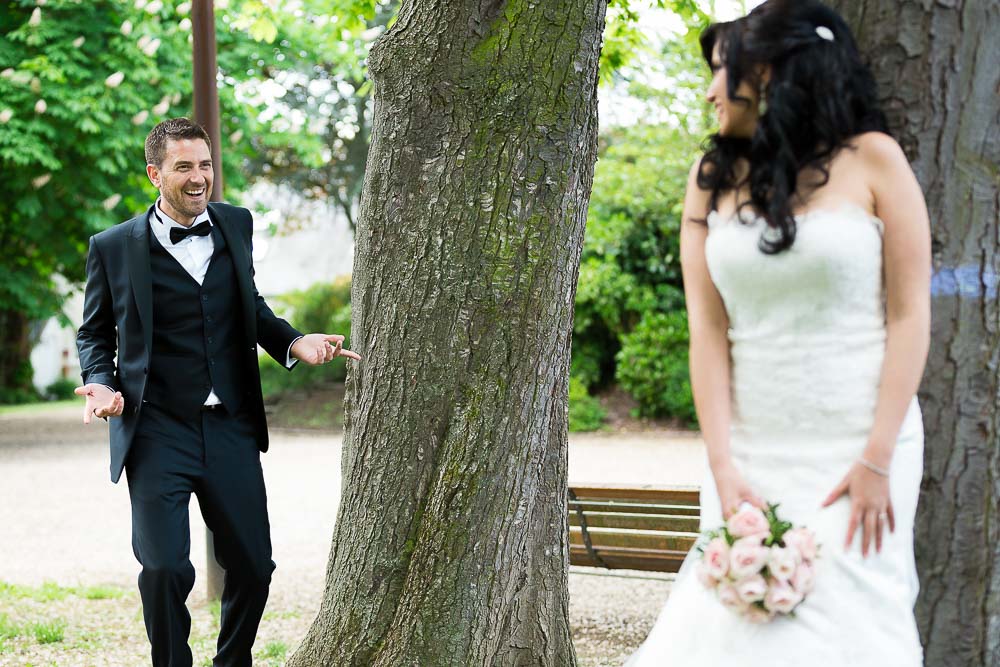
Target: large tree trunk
[(15, 352), (450, 546), (938, 68)]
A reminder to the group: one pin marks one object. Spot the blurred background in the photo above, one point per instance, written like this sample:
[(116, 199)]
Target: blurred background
[(82, 83)]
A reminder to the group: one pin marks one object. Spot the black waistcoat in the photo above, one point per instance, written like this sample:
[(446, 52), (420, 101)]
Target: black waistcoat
[(197, 337)]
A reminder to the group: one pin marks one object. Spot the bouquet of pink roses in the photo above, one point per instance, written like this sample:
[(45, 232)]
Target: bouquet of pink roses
[(758, 565)]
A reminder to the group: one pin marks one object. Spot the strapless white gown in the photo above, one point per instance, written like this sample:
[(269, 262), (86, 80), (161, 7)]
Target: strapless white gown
[(807, 339)]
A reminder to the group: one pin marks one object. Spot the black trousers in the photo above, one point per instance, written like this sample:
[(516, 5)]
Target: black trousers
[(213, 455)]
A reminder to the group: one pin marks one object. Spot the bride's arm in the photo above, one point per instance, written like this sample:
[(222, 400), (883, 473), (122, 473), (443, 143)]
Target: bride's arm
[(899, 203), (708, 324), (906, 250)]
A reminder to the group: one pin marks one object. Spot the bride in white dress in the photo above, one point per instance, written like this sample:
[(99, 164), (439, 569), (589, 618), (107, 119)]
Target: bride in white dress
[(808, 301)]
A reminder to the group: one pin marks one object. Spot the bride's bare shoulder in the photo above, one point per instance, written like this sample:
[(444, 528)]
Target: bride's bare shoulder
[(877, 149)]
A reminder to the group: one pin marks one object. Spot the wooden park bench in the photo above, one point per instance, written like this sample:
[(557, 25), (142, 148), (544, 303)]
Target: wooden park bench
[(620, 527)]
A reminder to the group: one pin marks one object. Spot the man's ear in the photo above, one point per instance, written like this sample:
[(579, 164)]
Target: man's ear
[(154, 175)]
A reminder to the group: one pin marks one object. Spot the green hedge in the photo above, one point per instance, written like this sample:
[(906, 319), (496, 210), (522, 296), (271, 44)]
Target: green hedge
[(630, 275), (322, 308), (653, 366)]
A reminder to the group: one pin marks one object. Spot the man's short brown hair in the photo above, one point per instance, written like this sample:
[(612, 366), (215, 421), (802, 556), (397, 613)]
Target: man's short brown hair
[(172, 129)]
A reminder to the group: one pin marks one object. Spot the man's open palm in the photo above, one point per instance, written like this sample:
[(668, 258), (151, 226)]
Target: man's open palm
[(101, 401)]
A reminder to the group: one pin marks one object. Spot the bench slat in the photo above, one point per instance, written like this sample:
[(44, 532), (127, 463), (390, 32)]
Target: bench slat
[(639, 539), (686, 524), (635, 508), (646, 493)]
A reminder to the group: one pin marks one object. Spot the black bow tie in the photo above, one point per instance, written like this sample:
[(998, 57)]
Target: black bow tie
[(177, 234)]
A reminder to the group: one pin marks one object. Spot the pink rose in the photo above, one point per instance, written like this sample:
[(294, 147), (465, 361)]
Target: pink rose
[(781, 563), (757, 615), (747, 556), (705, 576), (730, 598), (752, 588), (804, 578), (802, 540), (749, 520), (781, 598), (716, 557)]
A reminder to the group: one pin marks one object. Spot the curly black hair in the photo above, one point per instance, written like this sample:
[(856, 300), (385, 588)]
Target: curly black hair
[(820, 94)]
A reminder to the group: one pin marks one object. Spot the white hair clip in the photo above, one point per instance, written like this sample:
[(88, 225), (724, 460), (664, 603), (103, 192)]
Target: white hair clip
[(824, 32)]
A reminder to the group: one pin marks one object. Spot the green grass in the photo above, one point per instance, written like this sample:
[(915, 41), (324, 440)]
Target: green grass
[(48, 632), (100, 592), (8, 629), (47, 592), (274, 651), (50, 591), (41, 406)]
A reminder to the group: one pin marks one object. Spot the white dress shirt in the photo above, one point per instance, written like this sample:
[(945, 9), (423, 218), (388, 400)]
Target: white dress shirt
[(194, 253)]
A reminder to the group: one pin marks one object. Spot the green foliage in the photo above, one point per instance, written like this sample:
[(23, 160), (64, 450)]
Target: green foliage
[(315, 134), (653, 366), (20, 389), (61, 390), (630, 266), (585, 411), (81, 84), (325, 308)]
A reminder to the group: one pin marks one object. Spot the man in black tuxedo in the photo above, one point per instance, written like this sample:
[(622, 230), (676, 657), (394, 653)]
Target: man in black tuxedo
[(172, 292)]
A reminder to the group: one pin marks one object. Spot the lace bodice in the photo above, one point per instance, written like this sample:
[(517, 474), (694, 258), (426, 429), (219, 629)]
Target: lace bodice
[(807, 326)]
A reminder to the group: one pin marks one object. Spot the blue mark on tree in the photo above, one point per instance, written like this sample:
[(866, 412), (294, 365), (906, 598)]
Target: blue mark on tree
[(970, 281)]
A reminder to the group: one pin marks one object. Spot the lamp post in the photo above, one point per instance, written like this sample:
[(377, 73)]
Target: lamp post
[(206, 114)]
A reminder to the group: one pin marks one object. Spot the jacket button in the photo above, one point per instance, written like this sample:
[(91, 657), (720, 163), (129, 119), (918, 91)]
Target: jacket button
[(204, 297), (145, 371)]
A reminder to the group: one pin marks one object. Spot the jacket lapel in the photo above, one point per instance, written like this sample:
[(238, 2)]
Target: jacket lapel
[(137, 253), (241, 264)]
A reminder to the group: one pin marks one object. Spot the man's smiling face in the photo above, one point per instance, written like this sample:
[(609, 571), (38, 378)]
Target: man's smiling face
[(184, 179)]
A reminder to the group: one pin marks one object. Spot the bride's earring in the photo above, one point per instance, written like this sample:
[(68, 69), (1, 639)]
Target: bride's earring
[(762, 102)]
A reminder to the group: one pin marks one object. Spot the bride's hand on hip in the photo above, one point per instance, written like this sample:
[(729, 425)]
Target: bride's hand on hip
[(734, 491), (871, 506)]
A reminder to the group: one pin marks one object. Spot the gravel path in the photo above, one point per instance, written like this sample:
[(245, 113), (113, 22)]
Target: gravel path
[(62, 520)]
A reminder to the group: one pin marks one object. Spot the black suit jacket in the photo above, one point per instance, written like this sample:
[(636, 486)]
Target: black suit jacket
[(118, 316)]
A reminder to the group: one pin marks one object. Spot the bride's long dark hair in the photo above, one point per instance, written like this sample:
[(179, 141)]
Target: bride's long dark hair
[(820, 94)]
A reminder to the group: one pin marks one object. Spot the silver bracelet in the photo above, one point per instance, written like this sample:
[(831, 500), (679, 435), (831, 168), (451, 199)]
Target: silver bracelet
[(874, 468)]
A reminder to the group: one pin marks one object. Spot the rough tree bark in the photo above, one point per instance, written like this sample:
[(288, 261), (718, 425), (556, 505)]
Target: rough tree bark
[(450, 546), (938, 69), (15, 352)]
